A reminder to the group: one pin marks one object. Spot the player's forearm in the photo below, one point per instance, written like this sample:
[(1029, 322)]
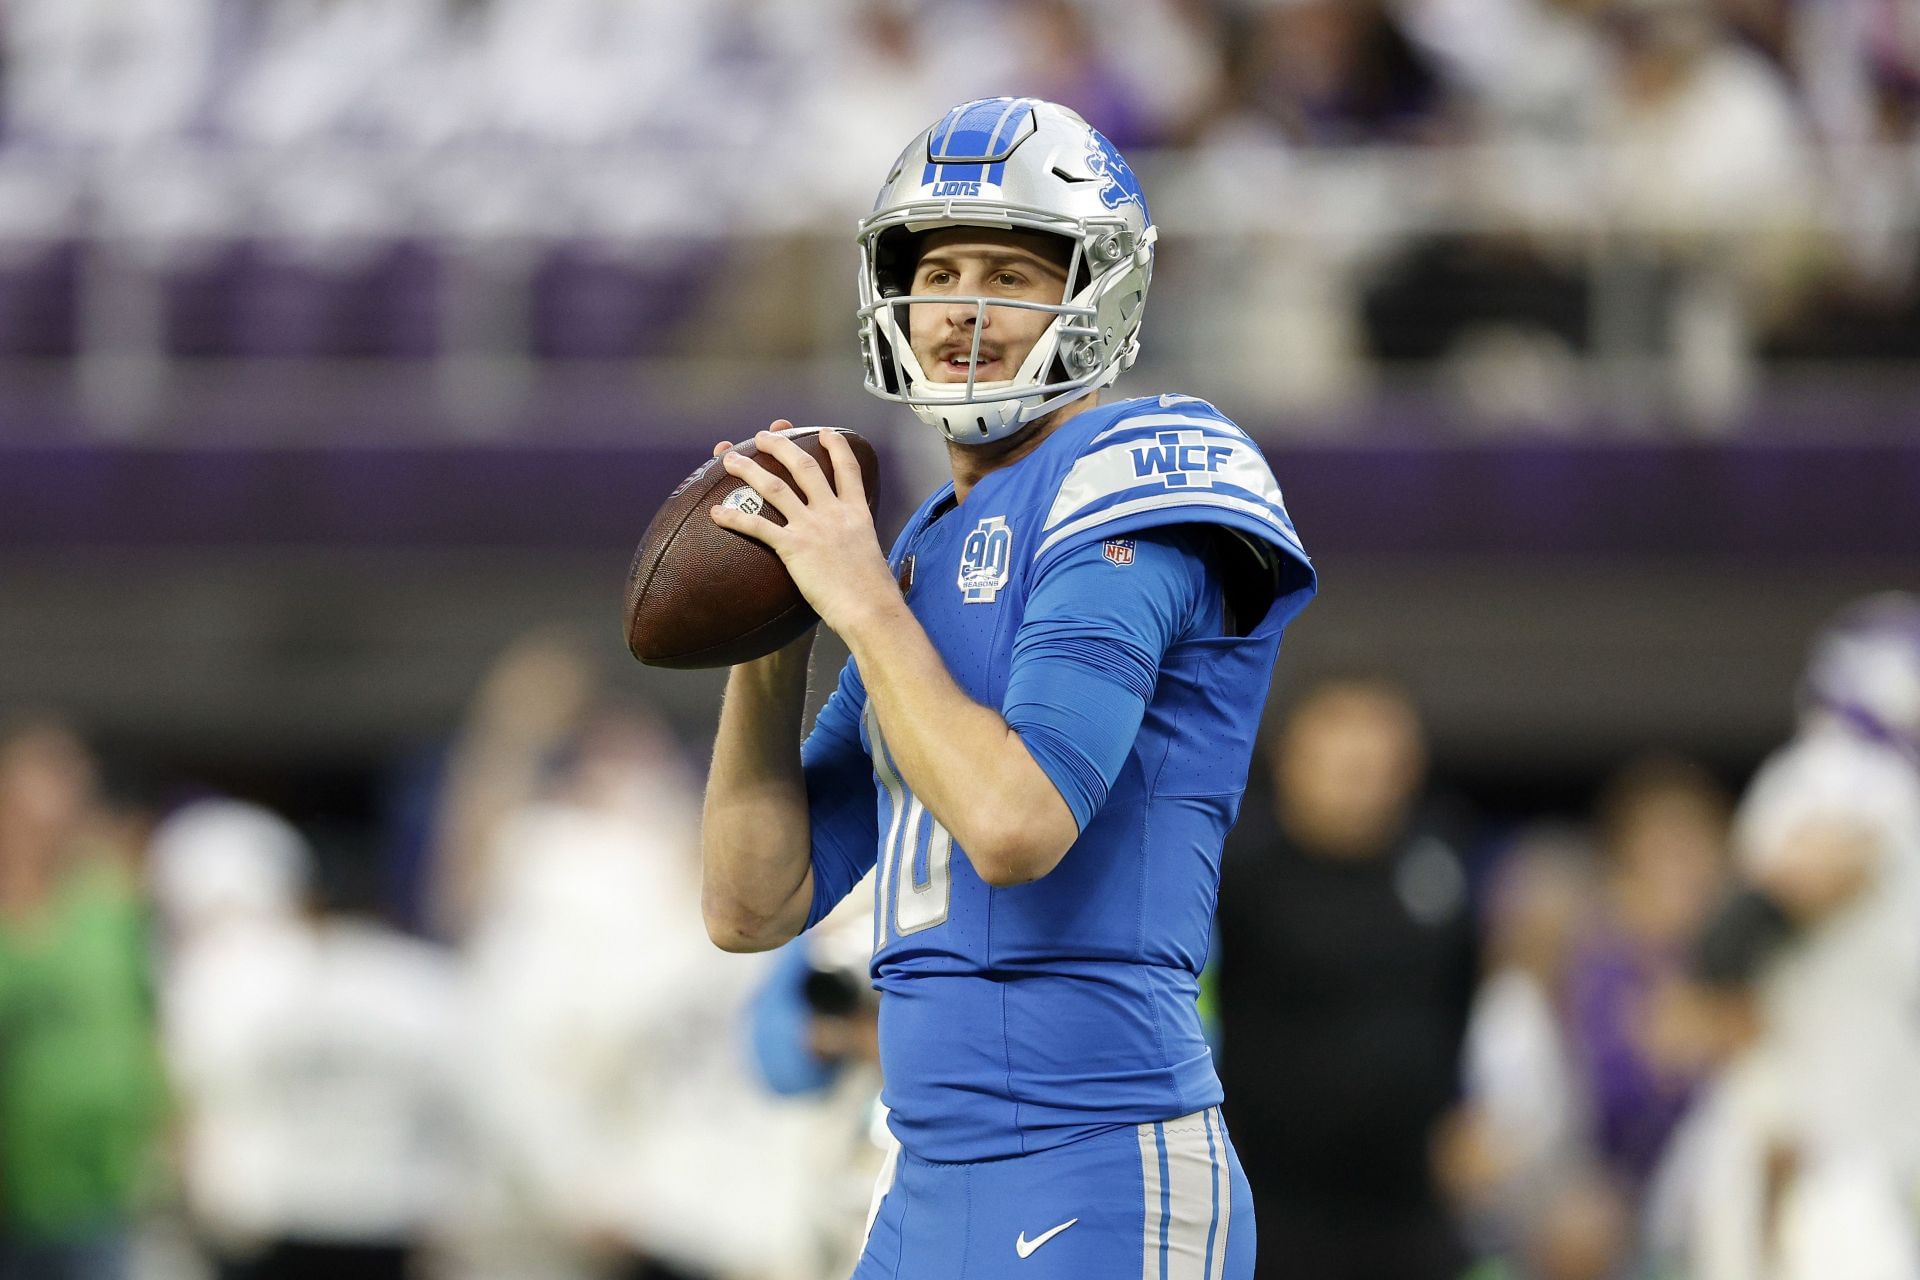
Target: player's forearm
[(756, 881), (971, 771)]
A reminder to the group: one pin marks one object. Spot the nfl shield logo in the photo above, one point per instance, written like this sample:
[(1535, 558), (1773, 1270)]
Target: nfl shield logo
[(1118, 551)]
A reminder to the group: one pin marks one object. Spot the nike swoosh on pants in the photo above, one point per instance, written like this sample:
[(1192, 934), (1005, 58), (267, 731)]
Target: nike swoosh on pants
[(1025, 1247)]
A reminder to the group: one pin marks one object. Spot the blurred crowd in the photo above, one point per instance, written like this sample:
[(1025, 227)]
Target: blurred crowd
[(1673, 1038), (843, 74), (489, 1037), (1443, 1047), (496, 1043), (1562, 203)]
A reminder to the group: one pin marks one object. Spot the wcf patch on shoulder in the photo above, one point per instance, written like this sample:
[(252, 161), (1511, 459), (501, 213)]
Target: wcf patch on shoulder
[(1118, 551)]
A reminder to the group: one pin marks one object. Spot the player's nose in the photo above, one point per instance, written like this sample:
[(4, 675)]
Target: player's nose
[(966, 315)]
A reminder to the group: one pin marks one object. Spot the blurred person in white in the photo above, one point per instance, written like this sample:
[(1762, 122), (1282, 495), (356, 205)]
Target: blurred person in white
[(1709, 136), (314, 1049), (709, 80), (620, 1135), (1304, 81), (1802, 1163), (855, 67), (1520, 1134), (1709, 169), (1667, 222), (1529, 70), (228, 882), (575, 72), (1859, 64), (314, 70), (860, 67), (848, 72), (816, 1042), (81, 1097), (112, 72), (851, 69)]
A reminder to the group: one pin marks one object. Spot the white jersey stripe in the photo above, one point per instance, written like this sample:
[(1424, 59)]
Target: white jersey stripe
[(1259, 511), (896, 806), (904, 851), (1133, 467), (919, 906), (1169, 421)]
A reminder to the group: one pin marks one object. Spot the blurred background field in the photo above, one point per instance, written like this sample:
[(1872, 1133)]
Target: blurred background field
[(347, 344)]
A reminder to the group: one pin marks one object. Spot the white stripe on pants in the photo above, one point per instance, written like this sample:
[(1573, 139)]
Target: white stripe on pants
[(1187, 1198)]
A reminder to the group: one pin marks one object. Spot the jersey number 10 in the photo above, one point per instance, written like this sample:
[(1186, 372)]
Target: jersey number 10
[(907, 903)]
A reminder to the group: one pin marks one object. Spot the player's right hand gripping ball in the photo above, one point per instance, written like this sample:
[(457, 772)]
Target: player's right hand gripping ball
[(702, 596)]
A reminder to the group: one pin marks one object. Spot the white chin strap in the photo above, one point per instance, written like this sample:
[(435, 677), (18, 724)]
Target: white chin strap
[(967, 423)]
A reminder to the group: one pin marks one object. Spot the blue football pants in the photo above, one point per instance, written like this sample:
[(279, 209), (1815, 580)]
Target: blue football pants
[(1164, 1201)]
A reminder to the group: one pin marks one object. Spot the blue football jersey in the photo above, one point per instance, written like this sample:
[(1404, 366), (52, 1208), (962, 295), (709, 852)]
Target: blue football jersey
[(1017, 1019)]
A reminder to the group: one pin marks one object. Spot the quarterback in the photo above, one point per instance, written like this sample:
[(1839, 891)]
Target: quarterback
[(1043, 733)]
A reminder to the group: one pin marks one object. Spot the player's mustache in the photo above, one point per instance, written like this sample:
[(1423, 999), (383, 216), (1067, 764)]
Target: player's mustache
[(989, 352)]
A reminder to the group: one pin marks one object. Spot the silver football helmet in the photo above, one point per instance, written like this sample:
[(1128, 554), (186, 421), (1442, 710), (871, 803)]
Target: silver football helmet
[(1865, 669), (1020, 164)]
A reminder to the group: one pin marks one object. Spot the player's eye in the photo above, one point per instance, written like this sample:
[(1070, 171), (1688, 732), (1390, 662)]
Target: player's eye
[(1009, 279), (937, 278)]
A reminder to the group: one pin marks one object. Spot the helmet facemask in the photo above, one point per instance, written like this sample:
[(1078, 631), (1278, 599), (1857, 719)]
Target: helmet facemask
[(974, 409), (1079, 352)]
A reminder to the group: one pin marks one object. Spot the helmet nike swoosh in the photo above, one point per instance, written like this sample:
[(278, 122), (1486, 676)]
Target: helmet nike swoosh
[(1025, 1247)]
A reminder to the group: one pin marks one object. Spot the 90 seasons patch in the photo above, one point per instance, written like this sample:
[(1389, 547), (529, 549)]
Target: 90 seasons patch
[(984, 559)]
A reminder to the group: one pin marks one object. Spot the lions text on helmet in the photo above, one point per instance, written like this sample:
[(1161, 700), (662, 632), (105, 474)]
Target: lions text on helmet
[(1003, 270)]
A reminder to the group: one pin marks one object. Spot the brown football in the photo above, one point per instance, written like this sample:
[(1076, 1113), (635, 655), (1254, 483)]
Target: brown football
[(702, 596)]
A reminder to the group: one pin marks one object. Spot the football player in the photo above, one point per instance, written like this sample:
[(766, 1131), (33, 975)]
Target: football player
[(1807, 1154), (1042, 735)]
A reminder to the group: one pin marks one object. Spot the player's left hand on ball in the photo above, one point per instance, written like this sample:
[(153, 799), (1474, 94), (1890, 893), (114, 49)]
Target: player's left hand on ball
[(828, 542)]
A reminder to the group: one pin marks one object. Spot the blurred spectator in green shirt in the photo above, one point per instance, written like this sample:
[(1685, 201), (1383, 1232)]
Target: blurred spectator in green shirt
[(80, 1090)]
